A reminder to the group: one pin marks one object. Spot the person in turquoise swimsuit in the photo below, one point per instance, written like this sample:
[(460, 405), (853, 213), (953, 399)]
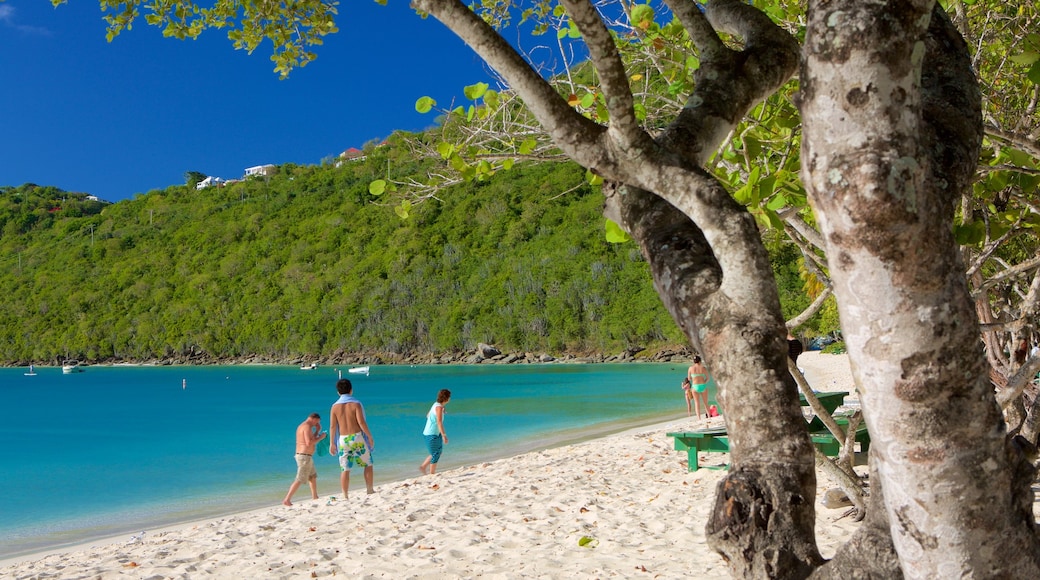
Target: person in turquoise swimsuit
[(434, 433), (698, 376)]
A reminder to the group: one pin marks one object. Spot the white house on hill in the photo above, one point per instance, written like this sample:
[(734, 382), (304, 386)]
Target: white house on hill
[(260, 170), (209, 182)]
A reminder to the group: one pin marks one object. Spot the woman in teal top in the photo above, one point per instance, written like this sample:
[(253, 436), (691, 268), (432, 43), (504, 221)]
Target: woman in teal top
[(436, 437)]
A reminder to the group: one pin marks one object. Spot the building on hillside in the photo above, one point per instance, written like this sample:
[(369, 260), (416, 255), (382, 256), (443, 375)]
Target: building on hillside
[(210, 182), (260, 170), (352, 154)]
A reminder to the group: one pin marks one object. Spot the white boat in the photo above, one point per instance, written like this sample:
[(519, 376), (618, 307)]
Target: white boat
[(71, 366), (309, 367), (359, 370)]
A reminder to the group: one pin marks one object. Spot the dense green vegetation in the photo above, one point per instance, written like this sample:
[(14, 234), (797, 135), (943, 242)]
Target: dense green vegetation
[(306, 262)]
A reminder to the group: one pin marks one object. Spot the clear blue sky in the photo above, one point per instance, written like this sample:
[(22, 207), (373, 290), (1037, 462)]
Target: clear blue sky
[(122, 118)]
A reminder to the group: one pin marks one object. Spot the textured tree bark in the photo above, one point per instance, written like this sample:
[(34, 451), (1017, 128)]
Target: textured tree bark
[(869, 554), (892, 126), (764, 514)]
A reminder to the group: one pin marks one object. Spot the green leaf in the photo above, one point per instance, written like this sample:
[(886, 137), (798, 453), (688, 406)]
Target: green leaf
[(507, 164), (403, 210), (588, 542), (752, 146), (528, 146), (1034, 73), (491, 98), (1028, 57), (642, 16), (774, 221), (474, 92), (457, 163), (743, 194), (1020, 158), (445, 149), (592, 178), (377, 187), (424, 104), (766, 185), (587, 100), (777, 202), (614, 233), (756, 172)]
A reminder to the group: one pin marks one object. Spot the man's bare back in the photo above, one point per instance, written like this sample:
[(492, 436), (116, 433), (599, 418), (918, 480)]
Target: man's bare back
[(348, 417)]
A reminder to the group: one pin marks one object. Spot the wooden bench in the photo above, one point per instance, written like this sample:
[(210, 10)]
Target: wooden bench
[(716, 440)]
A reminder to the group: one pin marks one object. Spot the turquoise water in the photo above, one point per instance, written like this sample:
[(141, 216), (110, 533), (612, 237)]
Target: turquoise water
[(116, 450)]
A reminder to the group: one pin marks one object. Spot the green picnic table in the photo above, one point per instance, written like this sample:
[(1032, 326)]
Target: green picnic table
[(716, 440)]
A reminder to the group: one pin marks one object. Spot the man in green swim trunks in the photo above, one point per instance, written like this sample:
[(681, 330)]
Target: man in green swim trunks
[(350, 436)]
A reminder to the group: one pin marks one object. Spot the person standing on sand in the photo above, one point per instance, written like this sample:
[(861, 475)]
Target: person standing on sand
[(698, 377), (350, 434), (794, 348), (307, 437), (688, 393), (436, 437)]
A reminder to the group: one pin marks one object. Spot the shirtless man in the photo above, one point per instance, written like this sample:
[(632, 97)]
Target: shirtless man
[(351, 435), (307, 438)]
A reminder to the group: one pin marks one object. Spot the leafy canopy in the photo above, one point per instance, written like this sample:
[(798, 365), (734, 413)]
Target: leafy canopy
[(292, 27)]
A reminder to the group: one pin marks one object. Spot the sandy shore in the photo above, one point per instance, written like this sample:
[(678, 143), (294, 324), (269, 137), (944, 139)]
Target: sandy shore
[(620, 506)]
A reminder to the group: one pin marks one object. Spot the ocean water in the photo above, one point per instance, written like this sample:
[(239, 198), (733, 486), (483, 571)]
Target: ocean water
[(122, 449)]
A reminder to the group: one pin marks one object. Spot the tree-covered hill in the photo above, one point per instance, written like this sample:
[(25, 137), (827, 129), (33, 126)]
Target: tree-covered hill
[(307, 263), (304, 263)]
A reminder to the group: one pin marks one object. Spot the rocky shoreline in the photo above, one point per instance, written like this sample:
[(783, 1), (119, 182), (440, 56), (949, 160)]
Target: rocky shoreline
[(483, 354)]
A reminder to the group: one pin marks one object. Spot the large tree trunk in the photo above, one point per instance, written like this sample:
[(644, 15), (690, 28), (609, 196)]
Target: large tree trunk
[(888, 147), (764, 514)]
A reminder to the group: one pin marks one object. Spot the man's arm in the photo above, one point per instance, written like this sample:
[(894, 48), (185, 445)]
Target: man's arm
[(333, 430), (313, 435)]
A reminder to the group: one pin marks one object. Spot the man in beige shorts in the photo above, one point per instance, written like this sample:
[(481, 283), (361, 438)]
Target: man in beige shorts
[(307, 437)]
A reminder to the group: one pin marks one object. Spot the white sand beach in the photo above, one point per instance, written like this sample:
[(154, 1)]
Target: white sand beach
[(620, 506)]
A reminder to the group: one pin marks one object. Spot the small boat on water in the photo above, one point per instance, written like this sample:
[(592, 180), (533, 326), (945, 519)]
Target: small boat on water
[(309, 367), (71, 366), (359, 370)]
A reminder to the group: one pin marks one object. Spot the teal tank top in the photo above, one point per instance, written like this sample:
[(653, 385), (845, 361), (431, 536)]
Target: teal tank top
[(431, 421)]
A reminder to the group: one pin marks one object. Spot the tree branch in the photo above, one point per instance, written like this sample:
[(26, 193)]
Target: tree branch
[(613, 78), (572, 132)]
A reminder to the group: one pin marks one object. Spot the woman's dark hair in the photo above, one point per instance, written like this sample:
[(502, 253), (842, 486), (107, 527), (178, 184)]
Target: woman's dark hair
[(443, 396), (696, 359)]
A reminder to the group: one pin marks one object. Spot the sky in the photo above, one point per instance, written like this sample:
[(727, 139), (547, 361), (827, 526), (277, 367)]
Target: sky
[(123, 118)]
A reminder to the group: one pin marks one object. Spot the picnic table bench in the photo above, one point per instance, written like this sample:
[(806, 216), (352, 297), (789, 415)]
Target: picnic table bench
[(716, 440)]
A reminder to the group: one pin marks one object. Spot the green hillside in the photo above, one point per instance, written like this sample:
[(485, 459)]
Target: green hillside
[(306, 263)]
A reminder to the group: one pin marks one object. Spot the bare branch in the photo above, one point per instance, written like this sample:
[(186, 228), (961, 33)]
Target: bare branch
[(810, 311), (613, 78)]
